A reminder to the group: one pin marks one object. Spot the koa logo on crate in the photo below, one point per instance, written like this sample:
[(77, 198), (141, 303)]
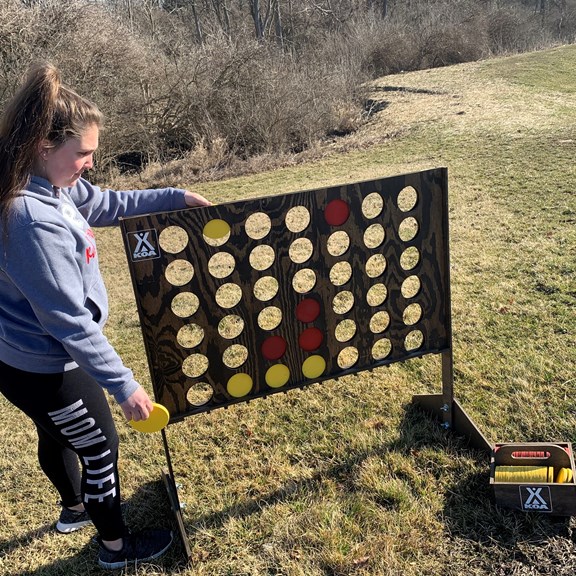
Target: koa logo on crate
[(536, 498)]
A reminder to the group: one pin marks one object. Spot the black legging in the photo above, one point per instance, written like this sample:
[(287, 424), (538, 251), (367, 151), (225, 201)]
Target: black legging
[(74, 424)]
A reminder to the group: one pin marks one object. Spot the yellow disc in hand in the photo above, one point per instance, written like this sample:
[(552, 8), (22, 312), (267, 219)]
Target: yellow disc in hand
[(158, 419)]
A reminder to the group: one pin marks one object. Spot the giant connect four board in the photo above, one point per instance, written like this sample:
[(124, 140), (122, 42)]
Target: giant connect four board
[(259, 296)]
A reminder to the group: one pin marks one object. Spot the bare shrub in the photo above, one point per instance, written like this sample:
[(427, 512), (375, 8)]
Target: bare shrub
[(97, 56), (514, 29), (394, 50), (256, 98), (192, 83)]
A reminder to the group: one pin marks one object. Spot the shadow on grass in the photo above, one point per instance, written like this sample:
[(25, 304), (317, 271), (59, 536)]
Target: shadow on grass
[(470, 514), (147, 508), (506, 541)]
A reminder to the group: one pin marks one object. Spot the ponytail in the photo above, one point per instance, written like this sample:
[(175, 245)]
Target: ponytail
[(42, 110)]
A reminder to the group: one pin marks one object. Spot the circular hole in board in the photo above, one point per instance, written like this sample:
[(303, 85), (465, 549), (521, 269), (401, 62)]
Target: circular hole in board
[(297, 219), (409, 258), (412, 314), (375, 265), (179, 272), (266, 288), (376, 295), (231, 326), (304, 280), (372, 205), (190, 335), (381, 349), (173, 239), (407, 199), (410, 287), (269, 318), (414, 340), (345, 330), (221, 265), (199, 394), (340, 273), (408, 229), (262, 257), (347, 357), (338, 243), (228, 295), (258, 225), (234, 356), (195, 365), (379, 322), (343, 302), (374, 236), (300, 250), (185, 304)]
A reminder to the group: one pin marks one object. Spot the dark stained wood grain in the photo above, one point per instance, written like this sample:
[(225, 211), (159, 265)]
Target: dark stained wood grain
[(160, 325)]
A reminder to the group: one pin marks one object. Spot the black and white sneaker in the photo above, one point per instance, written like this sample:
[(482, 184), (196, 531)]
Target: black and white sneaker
[(139, 547), (70, 520)]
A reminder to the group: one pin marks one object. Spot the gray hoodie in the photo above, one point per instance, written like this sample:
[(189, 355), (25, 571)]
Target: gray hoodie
[(53, 302)]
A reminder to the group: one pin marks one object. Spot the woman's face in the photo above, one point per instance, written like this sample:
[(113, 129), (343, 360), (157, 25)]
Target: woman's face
[(64, 164)]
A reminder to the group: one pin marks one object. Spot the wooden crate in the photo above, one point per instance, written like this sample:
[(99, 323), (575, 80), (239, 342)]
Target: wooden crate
[(548, 497)]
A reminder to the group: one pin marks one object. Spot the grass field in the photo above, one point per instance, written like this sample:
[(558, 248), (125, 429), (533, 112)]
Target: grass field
[(346, 478)]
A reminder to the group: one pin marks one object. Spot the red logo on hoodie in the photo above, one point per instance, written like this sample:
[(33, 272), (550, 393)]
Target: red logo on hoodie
[(91, 250)]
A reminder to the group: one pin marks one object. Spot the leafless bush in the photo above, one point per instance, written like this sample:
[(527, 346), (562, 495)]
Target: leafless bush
[(212, 94), (258, 99), (514, 30)]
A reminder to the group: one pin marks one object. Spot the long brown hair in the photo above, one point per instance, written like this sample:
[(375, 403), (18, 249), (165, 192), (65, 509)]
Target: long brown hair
[(43, 109)]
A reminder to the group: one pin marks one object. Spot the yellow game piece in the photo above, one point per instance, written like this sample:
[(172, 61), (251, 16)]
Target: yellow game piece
[(216, 229), (277, 375), (564, 475), (313, 366), (239, 385), (158, 419)]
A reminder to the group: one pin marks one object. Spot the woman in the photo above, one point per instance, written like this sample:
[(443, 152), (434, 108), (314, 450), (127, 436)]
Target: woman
[(55, 362)]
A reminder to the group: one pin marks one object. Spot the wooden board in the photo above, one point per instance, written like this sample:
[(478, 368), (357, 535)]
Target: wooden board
[(245, 299)]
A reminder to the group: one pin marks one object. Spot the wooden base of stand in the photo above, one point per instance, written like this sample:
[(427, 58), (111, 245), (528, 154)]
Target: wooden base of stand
[(453, 418)]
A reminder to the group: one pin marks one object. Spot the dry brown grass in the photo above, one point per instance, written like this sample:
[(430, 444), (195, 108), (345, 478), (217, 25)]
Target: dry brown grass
[(346, 478)]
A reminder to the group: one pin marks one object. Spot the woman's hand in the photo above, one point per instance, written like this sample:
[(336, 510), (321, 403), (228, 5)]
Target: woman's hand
[(194, 199), (138, 406)]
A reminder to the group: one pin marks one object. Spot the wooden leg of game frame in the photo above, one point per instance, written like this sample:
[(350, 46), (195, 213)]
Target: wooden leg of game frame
[(175, 506), (462, 424)]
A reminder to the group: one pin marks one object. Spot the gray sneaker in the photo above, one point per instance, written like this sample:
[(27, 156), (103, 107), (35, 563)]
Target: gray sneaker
[(139, 547), (70, 520)]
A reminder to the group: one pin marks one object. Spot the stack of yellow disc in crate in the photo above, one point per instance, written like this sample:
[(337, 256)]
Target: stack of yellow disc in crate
[(531, 474)]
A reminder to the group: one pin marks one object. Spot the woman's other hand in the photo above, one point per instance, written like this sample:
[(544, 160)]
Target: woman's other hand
[(194, 199)]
